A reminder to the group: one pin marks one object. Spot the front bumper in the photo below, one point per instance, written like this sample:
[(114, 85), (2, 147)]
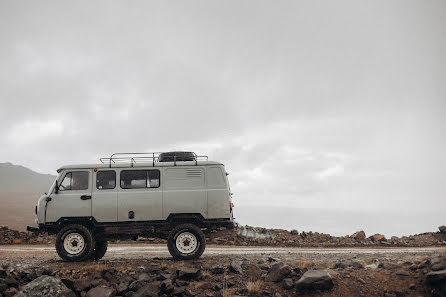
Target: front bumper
[(33, 229)]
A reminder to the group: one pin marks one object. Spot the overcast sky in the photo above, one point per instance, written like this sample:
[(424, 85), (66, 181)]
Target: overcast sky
[(330, 106)]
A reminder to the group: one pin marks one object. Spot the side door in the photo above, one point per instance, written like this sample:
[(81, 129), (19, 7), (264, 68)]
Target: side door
[(140, 197), (105, 196), (74, 196)]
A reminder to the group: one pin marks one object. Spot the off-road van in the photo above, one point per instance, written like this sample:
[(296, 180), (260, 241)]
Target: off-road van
[(177, 196)]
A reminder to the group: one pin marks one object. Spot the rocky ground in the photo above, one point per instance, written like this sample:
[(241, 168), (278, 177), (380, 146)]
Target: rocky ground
[(255, 236), (353, 273)]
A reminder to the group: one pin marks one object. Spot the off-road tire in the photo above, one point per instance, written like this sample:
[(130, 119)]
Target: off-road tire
[(99, 250), (186, 228), (88, 243)]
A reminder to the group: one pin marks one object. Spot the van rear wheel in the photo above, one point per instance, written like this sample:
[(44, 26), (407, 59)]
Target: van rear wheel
[(75, 243), (186, 242)]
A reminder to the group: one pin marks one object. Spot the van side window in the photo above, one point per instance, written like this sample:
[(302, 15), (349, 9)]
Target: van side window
[(75, 181), (106, 180), (137, 179)]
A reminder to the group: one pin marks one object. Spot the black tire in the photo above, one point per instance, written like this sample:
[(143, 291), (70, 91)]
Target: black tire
[(188, 231), (78, 233), (99, 250)]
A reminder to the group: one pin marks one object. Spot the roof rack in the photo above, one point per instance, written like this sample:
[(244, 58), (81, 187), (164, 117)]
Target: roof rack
[(134, 158)]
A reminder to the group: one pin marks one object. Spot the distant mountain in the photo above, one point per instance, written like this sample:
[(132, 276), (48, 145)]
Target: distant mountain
[(20, 187)]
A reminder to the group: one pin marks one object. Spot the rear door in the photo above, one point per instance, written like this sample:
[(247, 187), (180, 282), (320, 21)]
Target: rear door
[(74, 196), (105, 196)]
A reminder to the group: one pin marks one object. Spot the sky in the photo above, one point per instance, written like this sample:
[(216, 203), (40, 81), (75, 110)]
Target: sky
[(329, 115)]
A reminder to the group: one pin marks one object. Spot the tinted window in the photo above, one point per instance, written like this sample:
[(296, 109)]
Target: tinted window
[(76, 180), (106, 179), (137, 179)]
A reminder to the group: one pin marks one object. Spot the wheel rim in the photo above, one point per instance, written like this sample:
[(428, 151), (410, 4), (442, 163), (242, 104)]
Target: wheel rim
[(74, 243), (186, 243)]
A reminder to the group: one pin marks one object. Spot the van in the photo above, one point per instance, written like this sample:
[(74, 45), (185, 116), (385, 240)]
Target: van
[(177, 196)]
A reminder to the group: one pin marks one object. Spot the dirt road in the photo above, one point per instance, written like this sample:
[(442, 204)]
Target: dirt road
[(119, 252)]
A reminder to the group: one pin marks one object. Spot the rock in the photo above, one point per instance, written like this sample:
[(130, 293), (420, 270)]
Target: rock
[(377, 237), (11, 282), (188, 273), (178, 291), (13, 291), (439, 266), (271, 259), (143, 277), (278, 272), (217, 269), (235, 266), (253, 272), (45, 286), (437, 281), (166, 286), (348, 264), (294, 232), (101, 292), (287, 283), (442, 229), (2, 273), (3, 287), (358, 235), (82, 284), (150, 290), (315, 280)]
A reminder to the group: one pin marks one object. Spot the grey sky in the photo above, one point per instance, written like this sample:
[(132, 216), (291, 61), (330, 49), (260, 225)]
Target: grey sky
[(329, 105)]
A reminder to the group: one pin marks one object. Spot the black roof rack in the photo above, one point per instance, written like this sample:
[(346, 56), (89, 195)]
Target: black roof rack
[(134, 158)]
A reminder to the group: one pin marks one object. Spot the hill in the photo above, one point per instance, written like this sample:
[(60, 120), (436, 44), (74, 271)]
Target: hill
[(20, 187)]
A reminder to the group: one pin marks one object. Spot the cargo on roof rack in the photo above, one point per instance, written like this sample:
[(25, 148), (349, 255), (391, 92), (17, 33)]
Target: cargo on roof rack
[(133, 158)]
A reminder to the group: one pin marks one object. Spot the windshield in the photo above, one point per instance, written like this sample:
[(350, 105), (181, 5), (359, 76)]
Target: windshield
[(53, 185)]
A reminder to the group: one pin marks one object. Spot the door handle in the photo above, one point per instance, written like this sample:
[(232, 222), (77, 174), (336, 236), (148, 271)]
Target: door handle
[(85, 197)]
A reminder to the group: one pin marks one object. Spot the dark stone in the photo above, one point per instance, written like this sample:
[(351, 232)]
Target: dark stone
[(3, 287), (166, 286), (294, 232), (278, 272), (2, 273), (45, 286), (207, 286), (101, 292), (287, 284), (442, 229), (236, 267), (150, 290), (436, 277), (11, 282), (163, 276), (217, 269), (271, 259), (178, 291), (188, 273), (253, 272), (12, 292), (122, 288), (136, 285), (82, 284), (315, 280)]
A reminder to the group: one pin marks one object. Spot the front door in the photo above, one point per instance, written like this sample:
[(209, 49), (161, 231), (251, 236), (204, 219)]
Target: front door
[(74, 196)]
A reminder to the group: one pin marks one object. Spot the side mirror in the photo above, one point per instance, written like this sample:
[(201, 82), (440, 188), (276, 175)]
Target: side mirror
[(56, 188)]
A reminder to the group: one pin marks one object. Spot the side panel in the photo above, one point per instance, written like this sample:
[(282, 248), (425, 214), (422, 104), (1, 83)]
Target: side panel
[(145, 203), (104, 197), (184, 191), (68, 203), (218, 193)]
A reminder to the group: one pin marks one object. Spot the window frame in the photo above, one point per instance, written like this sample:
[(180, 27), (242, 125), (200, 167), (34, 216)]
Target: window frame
[(114, 171), (147, 179), (71, 181)]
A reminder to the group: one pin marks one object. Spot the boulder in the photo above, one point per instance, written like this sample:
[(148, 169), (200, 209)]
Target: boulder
[(236, 266), (294, 232), (287, 283), (186, 273), (101, 292), (442, 229), (358, 235), (45, 286), (378, 237), (315, 280), (217, 269), (278, 272), (150, 290), (253, 272), (437, 281)]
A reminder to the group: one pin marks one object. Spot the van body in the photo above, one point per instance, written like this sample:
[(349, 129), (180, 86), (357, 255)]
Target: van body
[(120, 199)]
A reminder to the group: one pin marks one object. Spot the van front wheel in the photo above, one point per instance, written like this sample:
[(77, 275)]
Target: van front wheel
[(75, 243), (186, 242)]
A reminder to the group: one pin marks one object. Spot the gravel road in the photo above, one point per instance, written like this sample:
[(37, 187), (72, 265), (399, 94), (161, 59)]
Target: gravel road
[(119, 252)]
